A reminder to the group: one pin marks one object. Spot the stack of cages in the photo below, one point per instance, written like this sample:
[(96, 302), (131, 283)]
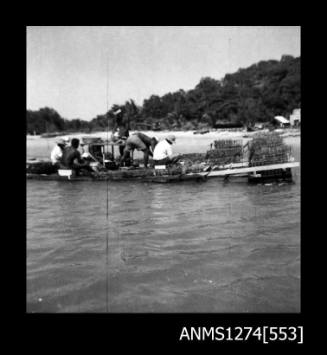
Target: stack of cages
[(193, 162), (178, 169), (225, 152), (171, 170), (188, 163), (268, 148)]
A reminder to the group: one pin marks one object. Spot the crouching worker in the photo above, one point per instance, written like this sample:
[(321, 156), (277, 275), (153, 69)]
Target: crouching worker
[(71, 158), (163, 152), (141, 142), (57, 152)]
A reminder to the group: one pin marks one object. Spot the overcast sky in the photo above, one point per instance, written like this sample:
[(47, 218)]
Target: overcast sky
[(67, 66)]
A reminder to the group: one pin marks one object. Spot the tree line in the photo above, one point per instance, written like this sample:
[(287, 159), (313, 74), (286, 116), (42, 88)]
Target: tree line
[(250, 95)]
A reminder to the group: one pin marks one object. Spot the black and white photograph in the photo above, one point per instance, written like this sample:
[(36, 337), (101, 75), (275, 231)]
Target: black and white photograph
[(163, 169)]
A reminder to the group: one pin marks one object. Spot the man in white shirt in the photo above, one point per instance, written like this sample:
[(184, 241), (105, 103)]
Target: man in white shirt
[(163, 152), (56, 153)]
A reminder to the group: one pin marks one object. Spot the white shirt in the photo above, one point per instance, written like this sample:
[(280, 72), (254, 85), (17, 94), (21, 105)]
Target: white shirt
[(56, 154), (162, 150)]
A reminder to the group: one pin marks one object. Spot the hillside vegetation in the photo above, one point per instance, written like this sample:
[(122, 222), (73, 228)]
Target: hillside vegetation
[(254, 94)]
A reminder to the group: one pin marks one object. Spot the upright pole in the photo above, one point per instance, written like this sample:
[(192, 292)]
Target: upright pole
[(107, 202)]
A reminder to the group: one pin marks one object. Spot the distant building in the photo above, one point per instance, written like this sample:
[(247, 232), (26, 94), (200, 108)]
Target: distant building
[(295, 117), (282, 121)]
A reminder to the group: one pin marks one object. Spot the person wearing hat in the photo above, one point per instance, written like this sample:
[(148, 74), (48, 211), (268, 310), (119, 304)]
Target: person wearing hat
[(57, 151), (140, 141), (163, 152), (119, 137), (120, 131)]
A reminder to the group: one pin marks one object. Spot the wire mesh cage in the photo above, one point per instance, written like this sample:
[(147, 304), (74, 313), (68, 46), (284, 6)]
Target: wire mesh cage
[(268, 148), (225, 152), (173, 170)]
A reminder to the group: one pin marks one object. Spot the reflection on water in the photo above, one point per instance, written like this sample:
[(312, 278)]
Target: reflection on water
[(192, 247)]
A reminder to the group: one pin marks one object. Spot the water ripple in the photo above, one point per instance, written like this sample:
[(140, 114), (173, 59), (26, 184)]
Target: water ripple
[(210, 247)]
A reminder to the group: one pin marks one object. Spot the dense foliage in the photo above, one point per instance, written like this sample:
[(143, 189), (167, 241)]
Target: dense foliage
[(255, 94)]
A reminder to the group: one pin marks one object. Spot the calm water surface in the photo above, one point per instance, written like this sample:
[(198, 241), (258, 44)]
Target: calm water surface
[(191, 247)]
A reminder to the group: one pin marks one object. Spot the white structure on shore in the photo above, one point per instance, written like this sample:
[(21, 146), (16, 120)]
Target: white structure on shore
[(295, 117), (282, 121)]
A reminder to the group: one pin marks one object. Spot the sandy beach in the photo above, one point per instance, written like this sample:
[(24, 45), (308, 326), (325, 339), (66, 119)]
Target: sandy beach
[(186, 141)]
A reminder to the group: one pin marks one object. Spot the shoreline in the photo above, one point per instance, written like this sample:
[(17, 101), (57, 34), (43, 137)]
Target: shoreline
[(186, 141), (223, 133)]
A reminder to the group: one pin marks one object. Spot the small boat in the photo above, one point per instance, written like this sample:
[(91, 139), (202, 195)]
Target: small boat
[(191, 167), (202, 131), (276, 172), (50, 135)]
